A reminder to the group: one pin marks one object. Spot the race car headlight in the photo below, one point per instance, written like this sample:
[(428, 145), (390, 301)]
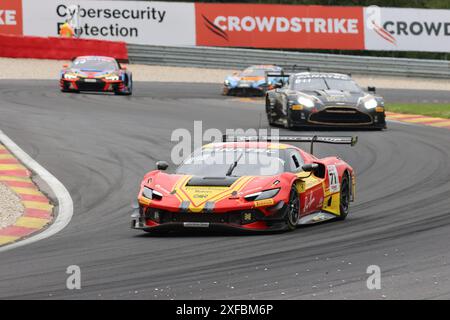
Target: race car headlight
[(151, 194), (267, 194), (112, 78), (371, 104), (69, 76), (305, 102)]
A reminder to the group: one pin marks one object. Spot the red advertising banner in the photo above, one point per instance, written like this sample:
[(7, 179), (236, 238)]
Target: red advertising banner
[(279, 26), (11, 17)]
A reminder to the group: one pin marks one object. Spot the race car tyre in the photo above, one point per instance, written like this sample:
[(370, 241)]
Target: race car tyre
[(345, 198), (129, 88), (288, 124), (270, 119), (157, 232), (293, 209)]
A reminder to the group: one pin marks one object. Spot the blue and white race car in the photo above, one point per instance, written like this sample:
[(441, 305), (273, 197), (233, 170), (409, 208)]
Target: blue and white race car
[(251, 81)]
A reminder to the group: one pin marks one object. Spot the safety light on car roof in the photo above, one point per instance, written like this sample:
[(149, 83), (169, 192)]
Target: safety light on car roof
[(371, 104), (267, 194), (305, 102)]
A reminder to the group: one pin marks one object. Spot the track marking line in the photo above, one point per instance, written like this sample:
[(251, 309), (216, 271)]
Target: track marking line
[(64, 201)]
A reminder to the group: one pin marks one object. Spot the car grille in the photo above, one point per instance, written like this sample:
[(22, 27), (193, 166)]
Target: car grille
[(90, 86), (340, 115), (233, 217)]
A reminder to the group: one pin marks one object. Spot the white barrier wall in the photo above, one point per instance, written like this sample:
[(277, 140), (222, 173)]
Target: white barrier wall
[(401, 29), (157, 23)]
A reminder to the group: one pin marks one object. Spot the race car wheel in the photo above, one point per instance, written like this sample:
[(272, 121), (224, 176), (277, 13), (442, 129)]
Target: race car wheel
[(345, 198), (288, 123), (269, 114), (293, 208)]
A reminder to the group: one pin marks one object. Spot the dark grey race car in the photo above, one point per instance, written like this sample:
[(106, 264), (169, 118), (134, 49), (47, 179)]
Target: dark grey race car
[(313, 99)]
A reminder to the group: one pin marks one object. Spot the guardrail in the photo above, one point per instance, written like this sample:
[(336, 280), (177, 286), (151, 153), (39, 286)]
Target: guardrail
[(233, 58)]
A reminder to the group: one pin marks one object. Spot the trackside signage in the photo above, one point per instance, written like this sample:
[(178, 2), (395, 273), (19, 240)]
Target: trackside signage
[(233, 25), (157, 23), (11, 17), (279, 26), (407, 29)]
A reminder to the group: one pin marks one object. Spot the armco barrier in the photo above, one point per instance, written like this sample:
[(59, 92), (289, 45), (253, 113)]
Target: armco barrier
[(232, 58), (59, 48)]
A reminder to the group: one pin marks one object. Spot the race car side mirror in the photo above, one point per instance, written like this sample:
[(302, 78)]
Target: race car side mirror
[(162, 165), (310, 167), (372, 89)]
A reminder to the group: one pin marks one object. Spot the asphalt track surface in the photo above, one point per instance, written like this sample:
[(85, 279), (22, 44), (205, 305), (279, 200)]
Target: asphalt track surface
[(99, 147)]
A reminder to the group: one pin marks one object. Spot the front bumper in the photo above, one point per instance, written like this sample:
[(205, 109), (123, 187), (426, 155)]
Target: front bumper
[(339, 117), (244, 91), (95, 85), (253, 220)]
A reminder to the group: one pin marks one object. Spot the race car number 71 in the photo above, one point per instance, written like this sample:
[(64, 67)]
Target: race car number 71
[(333, 178)]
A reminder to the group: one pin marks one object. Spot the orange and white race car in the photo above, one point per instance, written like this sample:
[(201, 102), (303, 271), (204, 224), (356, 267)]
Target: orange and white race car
[(250, 82)]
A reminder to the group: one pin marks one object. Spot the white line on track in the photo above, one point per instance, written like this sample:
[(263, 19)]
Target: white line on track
[(65, 203)]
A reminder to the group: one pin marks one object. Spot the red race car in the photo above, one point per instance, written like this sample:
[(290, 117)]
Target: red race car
[(96, 73), (248, 183)]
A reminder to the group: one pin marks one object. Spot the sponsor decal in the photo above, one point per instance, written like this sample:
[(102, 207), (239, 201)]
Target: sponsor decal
[(11, 17), (281, 26), (309, 201), (262, 203)]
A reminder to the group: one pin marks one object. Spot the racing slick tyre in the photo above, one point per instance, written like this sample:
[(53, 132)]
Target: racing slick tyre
[(270, 119), (288, 124), (129, 91), (345, 198), (293, 209)]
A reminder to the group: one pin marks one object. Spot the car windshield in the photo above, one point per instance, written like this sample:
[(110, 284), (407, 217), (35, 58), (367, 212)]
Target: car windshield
[(238, 162), (256, 72), (325, 83), (342, 85), (94, 64), (310, 84)]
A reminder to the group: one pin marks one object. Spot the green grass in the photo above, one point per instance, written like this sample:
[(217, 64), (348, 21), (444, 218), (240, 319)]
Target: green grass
[(431, 110)]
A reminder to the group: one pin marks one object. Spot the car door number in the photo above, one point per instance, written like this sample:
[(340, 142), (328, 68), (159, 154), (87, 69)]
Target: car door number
[(333, 178)]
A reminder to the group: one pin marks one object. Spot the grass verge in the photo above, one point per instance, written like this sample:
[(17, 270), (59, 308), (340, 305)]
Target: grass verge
[(431, 110)]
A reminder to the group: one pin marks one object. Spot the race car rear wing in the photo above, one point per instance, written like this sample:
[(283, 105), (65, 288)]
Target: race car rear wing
[(282, 77), (351, 140)]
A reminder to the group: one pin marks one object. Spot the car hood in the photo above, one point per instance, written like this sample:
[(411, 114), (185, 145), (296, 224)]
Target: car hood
[(91, 73), (330, 97)]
